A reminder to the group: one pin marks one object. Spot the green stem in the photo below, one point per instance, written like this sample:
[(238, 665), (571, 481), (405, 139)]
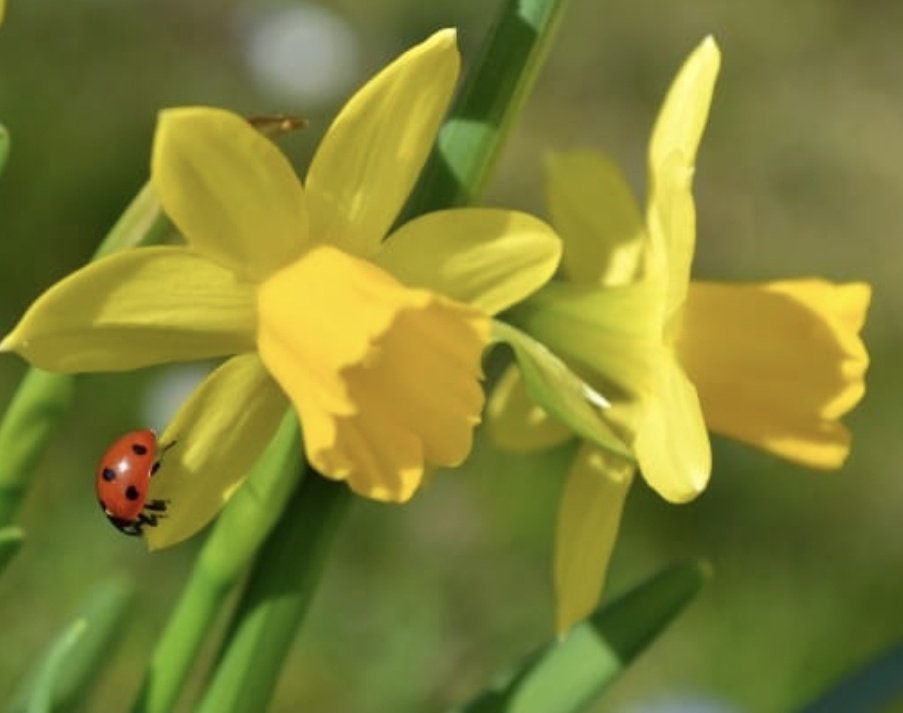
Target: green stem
[(142, 223), (473, 136), (37, 408), (239, 531), (280, 589)]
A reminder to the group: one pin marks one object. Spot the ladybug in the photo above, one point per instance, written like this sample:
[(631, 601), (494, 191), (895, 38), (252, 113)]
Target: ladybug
[(123, 477)]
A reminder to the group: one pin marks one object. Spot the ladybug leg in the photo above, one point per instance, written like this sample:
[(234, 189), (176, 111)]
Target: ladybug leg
[(155, 505), (146, 519), (156, 466)]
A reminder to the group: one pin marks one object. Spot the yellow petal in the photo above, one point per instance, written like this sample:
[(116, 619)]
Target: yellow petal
[(370, 157), (485, 257), (588, 519), (672, 237), (672, 445), (612, 331), (219, 433), (229, 190), (137, 308), (683, 115), (383, 377), (2, 10), (778, 364), (514, 421), (597, 217), (672, 157)]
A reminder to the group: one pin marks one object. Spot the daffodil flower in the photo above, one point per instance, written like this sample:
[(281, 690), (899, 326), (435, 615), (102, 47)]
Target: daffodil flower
[(373, 334), (774, 364)]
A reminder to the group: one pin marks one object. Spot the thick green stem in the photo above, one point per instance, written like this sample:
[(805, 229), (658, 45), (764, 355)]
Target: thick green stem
[(241, 528), (280, 589), (475, 132), (38, 406)]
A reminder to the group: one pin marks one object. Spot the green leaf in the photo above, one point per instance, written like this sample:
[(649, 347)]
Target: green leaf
[(79, 655), (475, 132), (11, 539), (63, 649), (567, 675), (559, 391), (872, 688), (4, 146)]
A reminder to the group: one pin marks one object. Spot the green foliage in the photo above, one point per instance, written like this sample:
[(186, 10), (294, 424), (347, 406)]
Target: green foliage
[(4, 146), (280, 588), (489, 103), (874, 687), (30, 422), (566, 676), (79, 654), (11, 539)]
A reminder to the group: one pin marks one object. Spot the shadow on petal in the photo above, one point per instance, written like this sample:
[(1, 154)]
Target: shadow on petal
[(777, 364)]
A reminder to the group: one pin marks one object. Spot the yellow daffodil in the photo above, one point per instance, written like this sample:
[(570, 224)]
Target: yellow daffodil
[(375, 340), (773, 364)]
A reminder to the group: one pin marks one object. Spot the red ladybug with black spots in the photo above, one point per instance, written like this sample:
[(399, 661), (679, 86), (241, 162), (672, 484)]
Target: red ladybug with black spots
[(123, 478)]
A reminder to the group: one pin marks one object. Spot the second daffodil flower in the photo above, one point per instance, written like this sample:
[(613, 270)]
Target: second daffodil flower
[(773, 364), (375, 340)]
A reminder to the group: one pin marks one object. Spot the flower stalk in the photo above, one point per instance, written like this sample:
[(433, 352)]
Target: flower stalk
[(280, 589)]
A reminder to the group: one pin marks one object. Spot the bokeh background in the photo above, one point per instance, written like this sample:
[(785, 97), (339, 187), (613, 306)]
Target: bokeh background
[(800, 174)]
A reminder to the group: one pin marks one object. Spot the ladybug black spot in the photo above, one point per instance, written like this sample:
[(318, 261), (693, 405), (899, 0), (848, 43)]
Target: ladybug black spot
[(109, 474), (139, 449), (131, 493)]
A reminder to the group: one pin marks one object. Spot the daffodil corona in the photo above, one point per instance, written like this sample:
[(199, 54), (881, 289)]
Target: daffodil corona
[(374, 336), (775, 365)]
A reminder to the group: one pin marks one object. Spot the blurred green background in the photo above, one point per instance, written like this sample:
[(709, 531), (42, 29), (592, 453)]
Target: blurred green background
[(800, 174)]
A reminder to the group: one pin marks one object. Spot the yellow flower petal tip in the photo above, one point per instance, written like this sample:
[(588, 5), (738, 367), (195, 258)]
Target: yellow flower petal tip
[(385, 381), (447, 37), (8, 344)]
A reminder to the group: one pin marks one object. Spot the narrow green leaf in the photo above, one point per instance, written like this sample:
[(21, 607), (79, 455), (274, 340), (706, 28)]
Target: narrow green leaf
[(567, 675), (490, 101), (11, 539), (559, 391), (280, 588), (41, 699), (4, 145), (239, 531), (874, 687), (79, 655)]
